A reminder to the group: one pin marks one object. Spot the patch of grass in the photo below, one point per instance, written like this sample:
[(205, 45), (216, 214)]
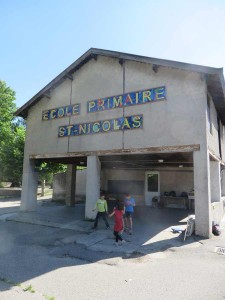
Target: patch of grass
[(29, 288)]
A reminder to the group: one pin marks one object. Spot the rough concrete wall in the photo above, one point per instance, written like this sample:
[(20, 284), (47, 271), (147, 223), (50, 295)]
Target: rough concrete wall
[(42, 136), (217, 211), (185, 106), (59, 185), (81, 182), (10, 192), (95, 80), (178, 181), (170, 180), (109, 174), (167, 122)]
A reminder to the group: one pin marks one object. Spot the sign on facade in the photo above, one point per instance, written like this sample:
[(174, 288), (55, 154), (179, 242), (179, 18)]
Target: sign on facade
[(128, 99), (123, 123), (101, 126)]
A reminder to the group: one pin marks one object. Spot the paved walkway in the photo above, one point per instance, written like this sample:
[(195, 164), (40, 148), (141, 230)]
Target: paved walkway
[(152, 227)]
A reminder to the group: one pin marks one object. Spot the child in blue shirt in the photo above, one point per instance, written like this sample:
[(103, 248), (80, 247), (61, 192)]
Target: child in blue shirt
[(129, 204)]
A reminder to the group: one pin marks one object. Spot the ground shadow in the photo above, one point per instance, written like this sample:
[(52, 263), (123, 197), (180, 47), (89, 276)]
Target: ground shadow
[(31, 250)]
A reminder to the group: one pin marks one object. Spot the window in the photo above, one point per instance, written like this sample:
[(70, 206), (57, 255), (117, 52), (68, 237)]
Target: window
[(153, 183)]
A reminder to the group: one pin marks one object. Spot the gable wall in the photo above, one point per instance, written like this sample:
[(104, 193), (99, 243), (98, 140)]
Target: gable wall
[(179, 120)]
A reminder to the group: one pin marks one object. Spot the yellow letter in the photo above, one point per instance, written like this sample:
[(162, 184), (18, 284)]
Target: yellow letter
[(137, 98), (98, 127), (52, 114), (45, 115), (128, 99), (76, 109), (160, 93), (126, 123), (116, 126), (146, 95), (62, 131), (136, 121), (117, 102), (60, 112), (103, 126), (69, 129), (91, 105), (82, 128)]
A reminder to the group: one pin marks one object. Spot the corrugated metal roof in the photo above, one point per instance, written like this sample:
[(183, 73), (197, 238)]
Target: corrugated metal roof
[(214, 77)]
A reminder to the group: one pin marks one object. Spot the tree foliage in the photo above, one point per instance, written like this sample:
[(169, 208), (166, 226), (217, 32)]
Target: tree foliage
[(12, 141), (46, 170), (7, 108), (12, 156), (12, 131)]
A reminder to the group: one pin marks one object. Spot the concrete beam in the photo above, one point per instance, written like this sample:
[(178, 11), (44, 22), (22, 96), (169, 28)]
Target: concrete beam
[(149, 150)]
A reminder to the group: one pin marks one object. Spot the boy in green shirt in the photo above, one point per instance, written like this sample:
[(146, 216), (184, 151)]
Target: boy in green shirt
[(102, 210)]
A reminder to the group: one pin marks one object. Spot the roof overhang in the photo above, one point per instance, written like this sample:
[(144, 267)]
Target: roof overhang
[(214, 77)]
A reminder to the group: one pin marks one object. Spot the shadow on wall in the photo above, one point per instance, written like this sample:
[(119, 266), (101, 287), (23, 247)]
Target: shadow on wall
[(59, 186)]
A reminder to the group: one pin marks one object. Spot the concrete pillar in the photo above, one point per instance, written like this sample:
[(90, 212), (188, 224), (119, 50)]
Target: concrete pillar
[(203, 218), (92, 185), (29, 186), (215, 181), (70, 185), (222, 182)]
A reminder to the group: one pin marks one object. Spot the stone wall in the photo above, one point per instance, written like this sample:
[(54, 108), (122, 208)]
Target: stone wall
[(10, 192)]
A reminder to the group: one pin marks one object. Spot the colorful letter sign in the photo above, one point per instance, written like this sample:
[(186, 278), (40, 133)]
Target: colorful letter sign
[(123, 123), (60, 112), (133, 98)]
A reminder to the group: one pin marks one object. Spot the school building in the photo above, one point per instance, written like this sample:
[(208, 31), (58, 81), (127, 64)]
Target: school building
[(151, 127)]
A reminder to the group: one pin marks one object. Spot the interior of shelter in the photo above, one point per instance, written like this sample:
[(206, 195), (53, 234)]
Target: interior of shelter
[(158, 180), (165, 178)]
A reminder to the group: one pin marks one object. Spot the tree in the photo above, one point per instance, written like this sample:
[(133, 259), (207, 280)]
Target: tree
[(12, 155), (12, 141), (7, 109), (46, 170), (12, 137)]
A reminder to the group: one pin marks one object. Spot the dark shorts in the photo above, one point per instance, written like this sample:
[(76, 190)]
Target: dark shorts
[(128, 214)]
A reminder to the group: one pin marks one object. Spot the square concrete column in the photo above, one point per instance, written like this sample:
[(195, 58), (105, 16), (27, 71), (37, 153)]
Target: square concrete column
[(203, 218), (70, 185), (222, 182), (29, 186), (92, 185), (215, 180)]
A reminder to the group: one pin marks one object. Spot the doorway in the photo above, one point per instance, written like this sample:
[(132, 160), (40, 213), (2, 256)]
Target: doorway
[(152, 186)]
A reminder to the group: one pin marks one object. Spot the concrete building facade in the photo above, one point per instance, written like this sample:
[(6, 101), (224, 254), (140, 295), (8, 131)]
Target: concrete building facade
[(138, 124)]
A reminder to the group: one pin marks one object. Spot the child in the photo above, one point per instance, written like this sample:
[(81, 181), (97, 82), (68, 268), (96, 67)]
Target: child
[(129, 210), (102, 210), (118, 225)]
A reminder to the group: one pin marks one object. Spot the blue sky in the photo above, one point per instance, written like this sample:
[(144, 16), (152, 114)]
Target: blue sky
[(40, 38)]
